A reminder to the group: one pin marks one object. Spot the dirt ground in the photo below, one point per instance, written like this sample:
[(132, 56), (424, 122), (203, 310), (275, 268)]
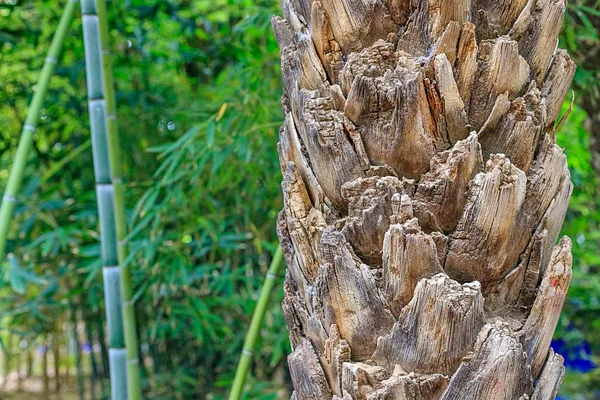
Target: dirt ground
[(32, 389)]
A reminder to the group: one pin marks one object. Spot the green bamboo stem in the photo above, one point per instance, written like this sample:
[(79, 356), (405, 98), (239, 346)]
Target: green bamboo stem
[(46, 379), (237, 388), (16, 173), (111, 271), (114, 154)]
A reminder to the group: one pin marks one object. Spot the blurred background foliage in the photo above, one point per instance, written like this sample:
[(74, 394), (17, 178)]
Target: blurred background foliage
[(198, 88)]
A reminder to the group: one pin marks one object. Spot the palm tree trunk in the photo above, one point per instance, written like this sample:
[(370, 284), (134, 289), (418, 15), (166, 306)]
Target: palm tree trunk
[(423, 197)]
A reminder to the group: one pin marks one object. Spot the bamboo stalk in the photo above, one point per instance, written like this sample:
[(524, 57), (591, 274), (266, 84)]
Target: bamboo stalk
[(25, 142), (5, 362), (19, 362), (105, 196), (9, 354), (93, 376), (237, 388), (103, 351), (45, 377), (29, 371), (78, 352), (114, 154), (56, 359)]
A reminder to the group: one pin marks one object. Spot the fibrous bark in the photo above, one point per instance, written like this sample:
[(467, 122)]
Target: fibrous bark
[(423, 197)]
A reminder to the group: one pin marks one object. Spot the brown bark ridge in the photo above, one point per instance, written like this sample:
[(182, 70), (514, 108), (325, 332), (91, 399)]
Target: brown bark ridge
[(423, 197)]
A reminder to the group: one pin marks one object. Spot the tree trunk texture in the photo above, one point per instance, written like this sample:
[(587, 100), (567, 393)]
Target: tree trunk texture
[(423, 197)]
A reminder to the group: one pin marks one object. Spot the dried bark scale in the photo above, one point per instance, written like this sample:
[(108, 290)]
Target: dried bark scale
[(423, 197)]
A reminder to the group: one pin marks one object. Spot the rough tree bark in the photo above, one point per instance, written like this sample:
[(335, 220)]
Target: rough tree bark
[(423, 197)]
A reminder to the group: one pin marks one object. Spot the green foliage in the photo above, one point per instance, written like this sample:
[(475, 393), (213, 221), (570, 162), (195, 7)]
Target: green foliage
[(206, 226), (198, 92), (580, 36), (580, 320)]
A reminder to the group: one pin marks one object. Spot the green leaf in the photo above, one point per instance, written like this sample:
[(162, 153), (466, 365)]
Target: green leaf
[(19, 277)]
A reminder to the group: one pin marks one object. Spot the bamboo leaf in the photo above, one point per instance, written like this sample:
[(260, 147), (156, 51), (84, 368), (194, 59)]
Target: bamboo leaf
[(20, 277)]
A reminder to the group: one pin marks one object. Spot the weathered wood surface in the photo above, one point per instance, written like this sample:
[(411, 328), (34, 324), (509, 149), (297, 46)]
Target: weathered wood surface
[(423, 197)]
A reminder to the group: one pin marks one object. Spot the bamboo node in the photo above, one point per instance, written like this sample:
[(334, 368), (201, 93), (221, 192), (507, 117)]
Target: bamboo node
[(271, 275), (29, 127), (248, 352), (52, 60), (9, 198)]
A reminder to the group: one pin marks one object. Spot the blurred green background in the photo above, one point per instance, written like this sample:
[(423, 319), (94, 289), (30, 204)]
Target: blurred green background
[(198, 87)]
